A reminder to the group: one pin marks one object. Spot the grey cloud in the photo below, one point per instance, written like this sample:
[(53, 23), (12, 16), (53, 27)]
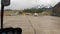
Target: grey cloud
[(21, 4)]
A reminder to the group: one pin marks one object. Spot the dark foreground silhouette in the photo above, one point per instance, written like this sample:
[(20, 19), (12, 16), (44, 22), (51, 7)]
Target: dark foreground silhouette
[(11, 31)]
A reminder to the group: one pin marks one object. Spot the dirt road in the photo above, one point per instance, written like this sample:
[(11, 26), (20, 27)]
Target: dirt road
[(34, 25)]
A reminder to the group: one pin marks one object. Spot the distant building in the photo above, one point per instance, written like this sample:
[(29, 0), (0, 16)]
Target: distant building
[(56, 9)]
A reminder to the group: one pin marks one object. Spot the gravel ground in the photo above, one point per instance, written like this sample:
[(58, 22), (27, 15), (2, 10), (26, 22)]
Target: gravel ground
[(34, 25)]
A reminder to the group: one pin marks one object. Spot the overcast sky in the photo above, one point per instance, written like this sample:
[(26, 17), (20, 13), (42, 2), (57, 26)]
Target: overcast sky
[(22, 4)]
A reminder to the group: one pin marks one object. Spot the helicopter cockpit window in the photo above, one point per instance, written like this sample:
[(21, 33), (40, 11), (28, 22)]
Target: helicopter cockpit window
[(33, 16)]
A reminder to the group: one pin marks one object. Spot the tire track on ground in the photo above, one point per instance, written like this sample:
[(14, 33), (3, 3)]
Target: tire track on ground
[(31, 24)]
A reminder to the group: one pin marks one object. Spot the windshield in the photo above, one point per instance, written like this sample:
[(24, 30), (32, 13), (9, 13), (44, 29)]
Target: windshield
[(33, 16)]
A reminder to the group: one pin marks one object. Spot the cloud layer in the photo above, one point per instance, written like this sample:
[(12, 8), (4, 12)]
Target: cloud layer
[(21, 4)]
